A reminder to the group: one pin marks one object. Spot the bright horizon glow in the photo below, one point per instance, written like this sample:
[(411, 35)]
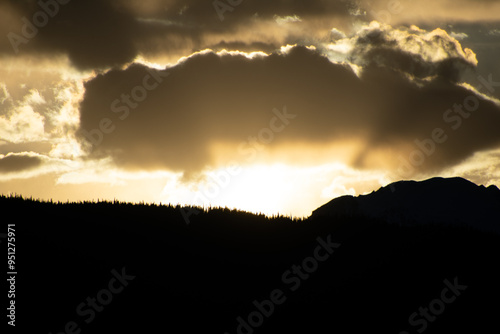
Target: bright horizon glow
[(273, 189), (258, 188)]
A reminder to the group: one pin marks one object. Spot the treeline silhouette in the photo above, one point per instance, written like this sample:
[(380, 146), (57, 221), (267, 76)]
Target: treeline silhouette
[(19, 198), (200, 277)]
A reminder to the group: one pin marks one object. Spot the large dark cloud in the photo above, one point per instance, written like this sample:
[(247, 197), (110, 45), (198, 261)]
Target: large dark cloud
[(208, 99), (92, 33), (212, 98), (107, 33), (104, 33)]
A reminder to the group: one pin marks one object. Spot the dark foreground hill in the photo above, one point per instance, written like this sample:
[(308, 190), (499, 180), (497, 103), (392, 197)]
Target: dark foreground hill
[(121, 268)]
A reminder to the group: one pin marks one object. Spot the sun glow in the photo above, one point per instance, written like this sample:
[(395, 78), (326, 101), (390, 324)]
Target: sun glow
[(271, 188), (259, 188), (256, 188)]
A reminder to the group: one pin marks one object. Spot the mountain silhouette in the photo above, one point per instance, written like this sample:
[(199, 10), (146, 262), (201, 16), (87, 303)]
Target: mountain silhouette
[(439, 200)]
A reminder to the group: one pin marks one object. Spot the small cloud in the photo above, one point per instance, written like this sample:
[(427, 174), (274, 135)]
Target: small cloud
[(35, 97), (15, 162), (183, 9), (25, 165), (337, 189), (287, 19), (343, 47), (337, 34), (159, 22), (355, 10), (4, 93), (494, 32), (458, 35), (22, 124)]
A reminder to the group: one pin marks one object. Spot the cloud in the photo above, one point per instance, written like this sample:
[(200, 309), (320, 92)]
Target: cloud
[(27, 165), (244, 47), (39, 100), (92, 33), (15, 162), (337, 34), (287, 19), (237, 11), (99, 34), (431, 11), (459, 35), (209, 98), (486, 46), (22, 124), (481, 168), (105, 33), (494, 32), (412, 51)]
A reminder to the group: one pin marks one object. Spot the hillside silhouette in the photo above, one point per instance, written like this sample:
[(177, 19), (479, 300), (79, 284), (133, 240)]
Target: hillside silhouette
[(452, 201), (207, 276)]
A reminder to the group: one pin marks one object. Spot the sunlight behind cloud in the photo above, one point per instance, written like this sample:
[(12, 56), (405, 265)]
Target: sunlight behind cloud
[(272, 188)]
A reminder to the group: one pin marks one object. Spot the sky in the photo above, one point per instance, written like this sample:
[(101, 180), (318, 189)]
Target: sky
[(261, 105)]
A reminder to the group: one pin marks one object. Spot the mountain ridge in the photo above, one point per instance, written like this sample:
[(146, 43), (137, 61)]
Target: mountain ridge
[(435, 200)]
